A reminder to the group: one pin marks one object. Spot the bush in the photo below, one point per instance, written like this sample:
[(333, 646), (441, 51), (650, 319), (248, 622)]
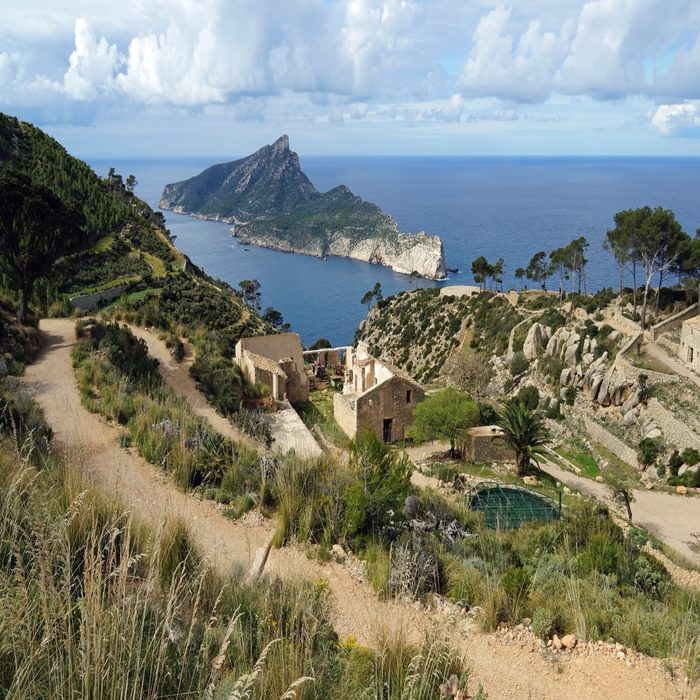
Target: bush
[(529, 397), (518, 364), (648, 451), (675, 462), (690, 456)]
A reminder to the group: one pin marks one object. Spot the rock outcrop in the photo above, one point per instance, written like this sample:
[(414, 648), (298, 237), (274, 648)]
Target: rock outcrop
[(273, 204)]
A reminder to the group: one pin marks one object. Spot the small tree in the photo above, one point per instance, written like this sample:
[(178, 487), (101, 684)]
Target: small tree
[(621, 493), (526, 433), (374, 294), (446, 415), (471, 372), (250, 290), (519, 275), (481, 271), (131, 182), (537, 269)]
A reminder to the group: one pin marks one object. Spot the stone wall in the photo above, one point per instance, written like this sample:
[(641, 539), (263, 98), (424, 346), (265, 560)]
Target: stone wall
[(344, 414), (600, 435), (674, 320), (88, 302), (482, 449)]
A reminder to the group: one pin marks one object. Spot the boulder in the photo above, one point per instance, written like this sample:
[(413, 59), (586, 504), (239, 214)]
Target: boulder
[(338, 553), (596, 383), (631, 402), (569, 641), (629, 419), (653, 433), (600, 479), (619, 392), (650, 474), (566, 378), (531, 481), (571, 349), (556, 643), (535, 341), (681, 490)]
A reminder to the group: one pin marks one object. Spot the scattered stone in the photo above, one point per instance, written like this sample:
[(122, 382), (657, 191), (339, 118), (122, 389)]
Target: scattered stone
[(600, 479), (681, 490), (531, 481), (556, 642), (338, 553)]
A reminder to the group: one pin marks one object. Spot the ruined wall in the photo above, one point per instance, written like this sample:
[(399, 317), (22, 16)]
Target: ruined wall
[(344, 414), (689, 351)]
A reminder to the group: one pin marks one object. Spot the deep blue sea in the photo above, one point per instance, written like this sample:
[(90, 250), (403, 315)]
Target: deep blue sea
[(496, 207)]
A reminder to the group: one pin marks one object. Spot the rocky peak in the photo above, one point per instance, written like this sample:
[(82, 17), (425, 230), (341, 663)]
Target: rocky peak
[(282, 143)]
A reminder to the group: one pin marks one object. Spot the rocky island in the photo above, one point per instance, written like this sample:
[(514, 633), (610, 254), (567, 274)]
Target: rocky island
[(273, 204)]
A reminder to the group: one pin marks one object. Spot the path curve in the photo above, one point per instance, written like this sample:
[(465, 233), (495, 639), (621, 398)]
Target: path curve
[(507, 670)]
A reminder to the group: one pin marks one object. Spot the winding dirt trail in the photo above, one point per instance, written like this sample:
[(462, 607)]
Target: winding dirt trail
[(508, 669)]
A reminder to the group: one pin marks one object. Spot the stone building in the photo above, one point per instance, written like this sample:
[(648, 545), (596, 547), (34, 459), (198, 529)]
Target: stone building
[(275, 361), (689, 349), (376, 396), (484, 444)]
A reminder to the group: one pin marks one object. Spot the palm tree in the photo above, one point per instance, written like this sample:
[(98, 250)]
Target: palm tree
[(525, 431)]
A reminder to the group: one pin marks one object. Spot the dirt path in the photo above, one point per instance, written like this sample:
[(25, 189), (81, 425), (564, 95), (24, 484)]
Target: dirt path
[(177, 374), (507, 668)]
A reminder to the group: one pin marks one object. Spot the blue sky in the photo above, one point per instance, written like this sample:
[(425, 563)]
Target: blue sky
[(222, 77)]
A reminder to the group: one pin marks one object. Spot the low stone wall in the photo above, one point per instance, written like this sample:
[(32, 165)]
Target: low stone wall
[(678, 318), (600, 435), (88, 302), (634, 343)]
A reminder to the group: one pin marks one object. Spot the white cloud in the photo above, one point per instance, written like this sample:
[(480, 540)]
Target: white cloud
[(677, 118), (92, 64)]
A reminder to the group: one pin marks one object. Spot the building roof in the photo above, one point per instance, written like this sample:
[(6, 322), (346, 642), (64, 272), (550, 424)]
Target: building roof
[(485, 431)]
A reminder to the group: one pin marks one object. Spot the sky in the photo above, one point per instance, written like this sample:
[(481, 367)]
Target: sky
[(151, 78)]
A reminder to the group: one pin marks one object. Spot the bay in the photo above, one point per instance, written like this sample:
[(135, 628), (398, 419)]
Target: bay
[(492, 206)]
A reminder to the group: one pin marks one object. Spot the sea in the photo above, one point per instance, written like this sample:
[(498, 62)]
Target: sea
[(498, 207)]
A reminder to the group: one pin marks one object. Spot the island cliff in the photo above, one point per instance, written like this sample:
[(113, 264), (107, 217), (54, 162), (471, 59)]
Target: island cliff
[(273, 204)]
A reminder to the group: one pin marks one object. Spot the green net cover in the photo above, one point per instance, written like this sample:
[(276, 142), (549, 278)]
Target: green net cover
[(507, 506)]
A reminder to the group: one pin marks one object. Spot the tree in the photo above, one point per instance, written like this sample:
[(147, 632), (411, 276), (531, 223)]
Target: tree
[(250, 290), (537, 269), (36, 229), (131, 182), (445, 415), (275, 319), (496, 273), (519, 275), (617, 243), (621, 493), (576, 262), (481, 270), (320, 344), (656, 241), (559, 264), (525, 431), (471, 372), (372, 294)]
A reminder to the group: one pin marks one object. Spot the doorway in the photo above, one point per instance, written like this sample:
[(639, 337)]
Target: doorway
[(388, 422)]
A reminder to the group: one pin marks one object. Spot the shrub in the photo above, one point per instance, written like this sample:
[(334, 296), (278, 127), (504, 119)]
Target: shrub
[(529, 397), (648, 451), (675, 462), (690, 456), (518, 364), (570, 395)]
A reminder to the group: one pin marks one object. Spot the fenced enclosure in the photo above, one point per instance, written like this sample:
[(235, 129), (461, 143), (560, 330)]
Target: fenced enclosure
[(508, 506)]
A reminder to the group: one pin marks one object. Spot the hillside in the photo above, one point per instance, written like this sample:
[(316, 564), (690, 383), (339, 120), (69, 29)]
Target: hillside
[(274, 204), (127, 252)]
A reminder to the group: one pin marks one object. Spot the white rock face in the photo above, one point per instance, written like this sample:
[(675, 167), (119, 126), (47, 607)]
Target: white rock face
[(535, 341), (401, 252)]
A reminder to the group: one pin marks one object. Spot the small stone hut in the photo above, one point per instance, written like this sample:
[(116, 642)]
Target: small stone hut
[(276, 361), (485, 443), (689, 348), (375, 396)]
